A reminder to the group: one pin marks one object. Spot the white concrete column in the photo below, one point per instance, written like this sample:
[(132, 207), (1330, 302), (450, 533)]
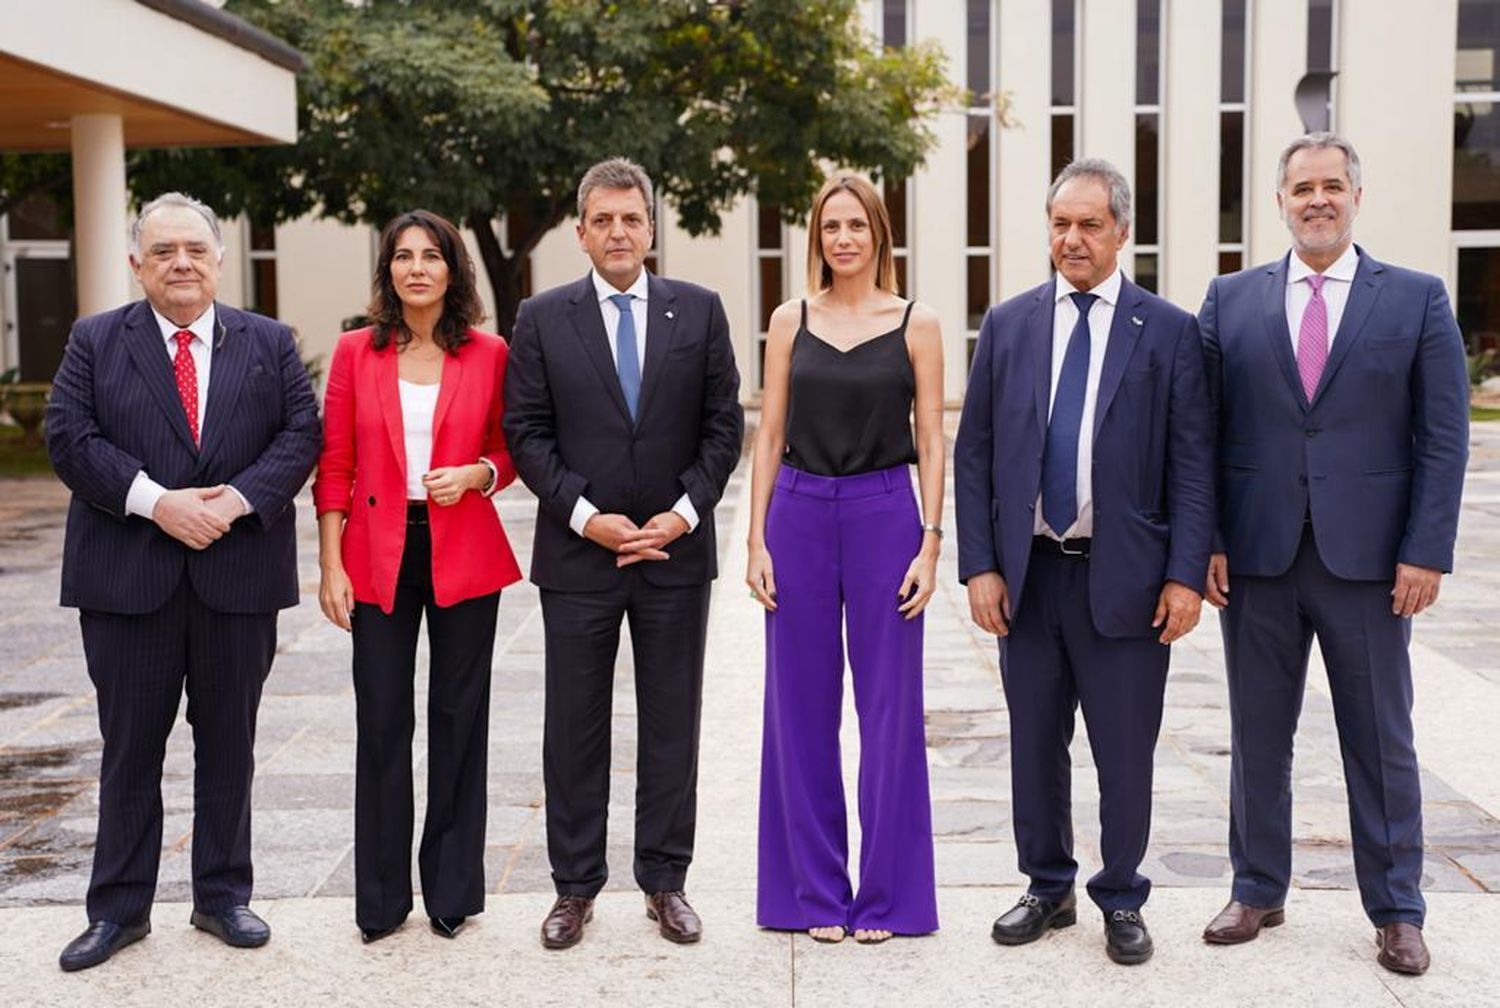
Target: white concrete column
[(1190, 143), (100, 212), (1277, 55), (1024, 75), (938, 202), (1395, 104), (1106, 89)]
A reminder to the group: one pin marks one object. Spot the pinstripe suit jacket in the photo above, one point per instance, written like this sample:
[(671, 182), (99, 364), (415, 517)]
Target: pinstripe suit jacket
[(115, 411)]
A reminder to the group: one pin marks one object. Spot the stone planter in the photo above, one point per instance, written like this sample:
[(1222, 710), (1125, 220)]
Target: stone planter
[(26, 402)]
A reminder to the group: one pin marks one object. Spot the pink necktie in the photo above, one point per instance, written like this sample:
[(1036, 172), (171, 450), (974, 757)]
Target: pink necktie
[(1312, 337), (187, 380)]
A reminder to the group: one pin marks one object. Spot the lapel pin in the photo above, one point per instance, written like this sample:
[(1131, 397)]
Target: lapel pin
[(1136, 320), (669, 313)]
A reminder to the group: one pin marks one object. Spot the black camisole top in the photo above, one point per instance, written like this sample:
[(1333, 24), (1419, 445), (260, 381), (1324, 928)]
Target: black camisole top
[(849, 411)]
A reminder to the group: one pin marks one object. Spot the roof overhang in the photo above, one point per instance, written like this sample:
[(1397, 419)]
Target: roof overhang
[(178, 73)]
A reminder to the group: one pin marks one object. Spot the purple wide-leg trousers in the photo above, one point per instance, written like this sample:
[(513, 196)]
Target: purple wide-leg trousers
[(840, 547)]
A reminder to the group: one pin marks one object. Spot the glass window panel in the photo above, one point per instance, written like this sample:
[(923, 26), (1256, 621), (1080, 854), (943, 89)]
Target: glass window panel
[(1147, 52), (262, 238), (1320, 34), (653, 264), (1478, 42), (1062, 142), (760, 364), (1147, 176), (978, 52), (1146, 267), (1062, 52), (895, 208), (973, 344), (1232, 63), (978, 230), (893, 21), (978, 289), (770, 289), (37, 217), (263, 287), (1478, 302), (45, 311), (768, 221), (1231, 262), (1231, 176), (902, 287), (1476, 165)]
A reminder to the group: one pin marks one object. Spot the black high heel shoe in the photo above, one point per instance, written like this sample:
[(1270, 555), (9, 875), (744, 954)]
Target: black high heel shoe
[(448, 927)]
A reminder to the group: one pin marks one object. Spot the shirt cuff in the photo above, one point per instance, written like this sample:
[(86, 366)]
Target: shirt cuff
[(684, 508), (582, 512), (143, 494), (243, 500), (490, 487)]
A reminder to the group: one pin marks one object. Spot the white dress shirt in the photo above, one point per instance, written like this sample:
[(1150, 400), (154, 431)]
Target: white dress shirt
[(1064, 316), (418, 408), (144, 491), (584, 509), (1335, 292)]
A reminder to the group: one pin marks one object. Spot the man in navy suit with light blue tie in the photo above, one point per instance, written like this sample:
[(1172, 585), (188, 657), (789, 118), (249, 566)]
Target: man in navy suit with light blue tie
[(184, 428), (1083, 483), (1341, 400)]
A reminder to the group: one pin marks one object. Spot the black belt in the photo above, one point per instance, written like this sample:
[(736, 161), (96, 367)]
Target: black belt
[(1076, 548), (416, 512)]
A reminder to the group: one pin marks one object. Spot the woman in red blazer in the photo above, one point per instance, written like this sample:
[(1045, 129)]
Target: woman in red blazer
[(412, 453)]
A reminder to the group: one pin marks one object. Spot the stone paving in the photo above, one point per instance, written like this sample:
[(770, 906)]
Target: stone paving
[(49, 750)]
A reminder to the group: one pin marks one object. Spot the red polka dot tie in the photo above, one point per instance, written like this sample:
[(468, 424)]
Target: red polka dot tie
[(187, 380)]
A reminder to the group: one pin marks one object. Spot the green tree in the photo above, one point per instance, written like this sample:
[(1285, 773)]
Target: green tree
[(489, 111), (23, 175)]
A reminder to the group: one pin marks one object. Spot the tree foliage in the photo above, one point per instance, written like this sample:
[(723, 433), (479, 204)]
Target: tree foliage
[(490, 110)]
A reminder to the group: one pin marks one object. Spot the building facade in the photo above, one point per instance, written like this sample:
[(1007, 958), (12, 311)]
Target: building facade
[(1192, 99)]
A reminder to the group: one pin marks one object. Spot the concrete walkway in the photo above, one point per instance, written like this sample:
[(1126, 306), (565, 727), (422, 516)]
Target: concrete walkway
[(303, 829)]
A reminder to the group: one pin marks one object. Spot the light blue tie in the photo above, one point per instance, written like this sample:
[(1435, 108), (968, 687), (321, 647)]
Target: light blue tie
[(627, 360)]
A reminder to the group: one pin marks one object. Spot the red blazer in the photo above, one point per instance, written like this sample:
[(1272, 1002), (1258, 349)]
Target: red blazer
[(362, 471)]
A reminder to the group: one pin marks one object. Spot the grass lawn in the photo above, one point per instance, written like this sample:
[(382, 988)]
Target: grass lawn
[(18, 459), (1484, 412)]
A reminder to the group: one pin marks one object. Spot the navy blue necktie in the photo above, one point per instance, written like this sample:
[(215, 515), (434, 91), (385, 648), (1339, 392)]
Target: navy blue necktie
[(1060, 457), (627, 359)]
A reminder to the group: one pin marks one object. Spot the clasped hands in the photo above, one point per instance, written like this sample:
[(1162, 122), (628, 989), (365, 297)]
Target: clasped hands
[(197, 516), (632, 543)]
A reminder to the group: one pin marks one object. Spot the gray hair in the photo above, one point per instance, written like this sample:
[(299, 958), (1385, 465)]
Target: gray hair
[(617, 173), (1319, 141), (175, 199), (1105, 173)]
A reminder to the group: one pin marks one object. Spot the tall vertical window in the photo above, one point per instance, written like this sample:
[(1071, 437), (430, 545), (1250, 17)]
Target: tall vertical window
[(895, 34), (1064, 83), (517, 225), (260, 291), (770, 277), (1476, 172), (1322, 44), (1233, 94), (1148, 118), (979, 138)]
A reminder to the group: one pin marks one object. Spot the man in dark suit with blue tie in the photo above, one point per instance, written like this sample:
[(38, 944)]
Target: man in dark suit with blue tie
[(1083, 486), (183, 428), (623, 417), (1341, 402)]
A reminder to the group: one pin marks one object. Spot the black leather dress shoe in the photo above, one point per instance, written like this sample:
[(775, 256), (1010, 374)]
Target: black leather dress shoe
[(1126, 939), (448, 927), (238, 926), (368, 935), (99, 942), (1032, 917)]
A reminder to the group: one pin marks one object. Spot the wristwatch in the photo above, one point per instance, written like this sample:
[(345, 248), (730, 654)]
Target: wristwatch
[(936, 530)]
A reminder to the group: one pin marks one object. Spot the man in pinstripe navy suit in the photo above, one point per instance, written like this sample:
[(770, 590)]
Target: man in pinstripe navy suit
[(184, 429)]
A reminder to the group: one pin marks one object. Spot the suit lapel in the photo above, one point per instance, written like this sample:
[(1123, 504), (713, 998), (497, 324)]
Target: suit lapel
[(588, 325), (229, 360), (149, 353), (1124, 330), (661, 330), (1039, 335), (1273, 306), (1363, 293), (451, 381), (389, 394)]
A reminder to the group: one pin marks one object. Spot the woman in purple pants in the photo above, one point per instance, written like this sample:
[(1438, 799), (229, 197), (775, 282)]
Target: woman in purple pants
[(840, 550)]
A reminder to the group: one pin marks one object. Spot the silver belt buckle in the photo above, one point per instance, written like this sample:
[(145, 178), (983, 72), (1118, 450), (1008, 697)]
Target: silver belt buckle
[(1062, 545)]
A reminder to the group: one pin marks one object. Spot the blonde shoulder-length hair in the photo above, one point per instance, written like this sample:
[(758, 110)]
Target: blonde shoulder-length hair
[(819, 275)]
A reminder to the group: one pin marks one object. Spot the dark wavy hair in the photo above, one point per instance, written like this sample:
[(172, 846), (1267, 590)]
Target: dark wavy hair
[(461, 305)]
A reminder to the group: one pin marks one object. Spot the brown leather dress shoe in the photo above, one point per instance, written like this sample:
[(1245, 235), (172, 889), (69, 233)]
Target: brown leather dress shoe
[(677, 921), (564, 924), (1240, 922), (1402, 948)]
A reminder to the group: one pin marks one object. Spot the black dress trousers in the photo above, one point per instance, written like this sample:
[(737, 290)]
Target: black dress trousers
[(461, 642)]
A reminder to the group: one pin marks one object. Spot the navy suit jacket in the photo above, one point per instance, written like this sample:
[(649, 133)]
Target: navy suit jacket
[(1152, 463), (571, 435), (115, 411), (1377, 458)]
